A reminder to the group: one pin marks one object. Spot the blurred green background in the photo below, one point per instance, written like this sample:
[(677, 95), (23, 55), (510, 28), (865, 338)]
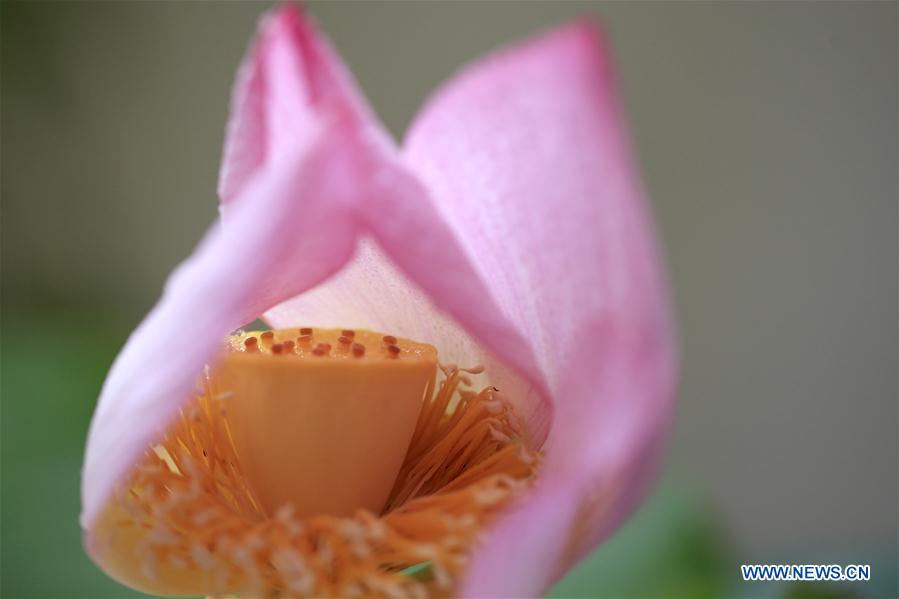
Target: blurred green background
[(768, 136)]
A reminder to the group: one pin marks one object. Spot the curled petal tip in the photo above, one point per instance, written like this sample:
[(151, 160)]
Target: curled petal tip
[(290, 84)]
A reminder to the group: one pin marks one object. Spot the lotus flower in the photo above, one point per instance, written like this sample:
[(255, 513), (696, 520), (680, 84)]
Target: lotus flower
[(510, 410)]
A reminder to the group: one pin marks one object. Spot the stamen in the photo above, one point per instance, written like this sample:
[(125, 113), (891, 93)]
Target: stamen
[(199, 527)]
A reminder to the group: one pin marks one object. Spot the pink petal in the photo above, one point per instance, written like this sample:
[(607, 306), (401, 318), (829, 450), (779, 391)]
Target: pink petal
[(289, 85), (291, 224), (528, 159)]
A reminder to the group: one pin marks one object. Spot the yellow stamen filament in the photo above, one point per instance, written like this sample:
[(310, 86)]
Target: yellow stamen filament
[(190, 521)]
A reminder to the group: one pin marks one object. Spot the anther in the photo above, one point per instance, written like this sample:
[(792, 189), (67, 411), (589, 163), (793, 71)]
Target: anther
[(389, 340), (306, 331), (277, 348), (267, 337), (348, 333), (322, 349), (251, 344), (304, 339), (358, 350), (344, 340), (393, 351), (288, 346)]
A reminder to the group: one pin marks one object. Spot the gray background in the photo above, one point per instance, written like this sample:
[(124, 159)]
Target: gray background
[(768, 137)]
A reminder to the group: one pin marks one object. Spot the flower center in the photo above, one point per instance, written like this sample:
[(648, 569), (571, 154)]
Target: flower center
[(321, 420), (317, 463)]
